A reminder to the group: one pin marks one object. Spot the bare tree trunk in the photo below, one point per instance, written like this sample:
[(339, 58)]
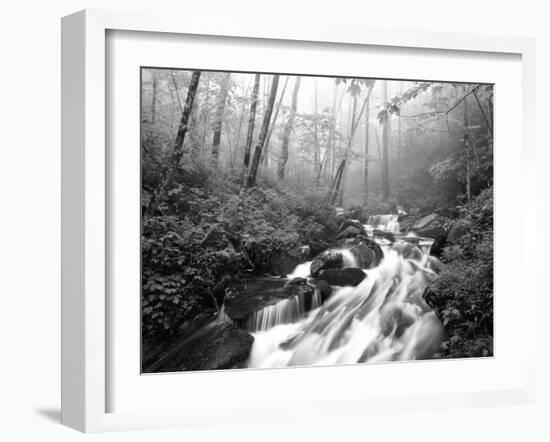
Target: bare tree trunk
[(263, 133), (238, 135), (366, 161), (344, 173), (332, 135), (218, 123), (386, 148), (177, 151), (273, 123), (288, 129), (204, 115), (251, 121), (154, 100), (316, 147), (467, 147), (399, 150)]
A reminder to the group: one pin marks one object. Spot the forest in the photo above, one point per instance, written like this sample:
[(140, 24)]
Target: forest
[(313, 220)]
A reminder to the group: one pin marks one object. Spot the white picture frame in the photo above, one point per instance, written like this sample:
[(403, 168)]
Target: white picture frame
[(85, 234)]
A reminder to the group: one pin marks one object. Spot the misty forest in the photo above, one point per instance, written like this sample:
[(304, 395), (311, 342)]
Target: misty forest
[(299, 220)]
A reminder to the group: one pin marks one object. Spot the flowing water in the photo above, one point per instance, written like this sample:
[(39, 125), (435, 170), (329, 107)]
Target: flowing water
[(384, 318), (388, 223)]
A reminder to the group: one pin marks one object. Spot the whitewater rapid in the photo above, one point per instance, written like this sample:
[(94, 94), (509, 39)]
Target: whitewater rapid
[(384, 318)]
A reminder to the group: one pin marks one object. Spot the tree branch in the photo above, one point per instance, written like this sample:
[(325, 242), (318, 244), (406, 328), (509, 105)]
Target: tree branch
[(483, 112)]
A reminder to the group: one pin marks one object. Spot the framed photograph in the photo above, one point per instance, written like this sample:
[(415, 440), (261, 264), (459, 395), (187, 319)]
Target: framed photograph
[(293, 220)]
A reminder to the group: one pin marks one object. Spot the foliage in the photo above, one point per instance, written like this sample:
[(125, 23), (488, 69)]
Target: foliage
[(355, 85), (209, 230), (463, 294)]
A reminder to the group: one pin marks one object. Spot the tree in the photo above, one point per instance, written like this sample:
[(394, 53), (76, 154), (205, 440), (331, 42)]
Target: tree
[(218, 122), (154, 99), (288, 129), (274, 122), (251, 121), (366, 159), (263, 133), (467, 148), (177, 150), (205, 113), (354, 89), (386, 148)]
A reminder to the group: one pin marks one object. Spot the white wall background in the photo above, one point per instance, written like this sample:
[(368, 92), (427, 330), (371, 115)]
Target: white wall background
[(30, 217)]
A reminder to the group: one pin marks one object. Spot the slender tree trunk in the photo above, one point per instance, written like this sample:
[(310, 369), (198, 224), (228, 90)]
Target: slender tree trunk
[(366, 161), (386, 148), (316, 147), (238, 135), (251, 122), (205, 115), (467, 147), (263, 133), (399, 152), (218, 123), (339, 181), (332, 134), (177, 151), (154, 99), (288, 129), (354, 124), (273, 123)]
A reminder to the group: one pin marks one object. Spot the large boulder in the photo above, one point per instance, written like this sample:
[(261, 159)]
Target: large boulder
[(213, 346), (342, 277), (408, 250), (350, 232), (255, 294), (283, 263), (433, 226), (383, 234), (367, 253), (329, 259), (324, 288)]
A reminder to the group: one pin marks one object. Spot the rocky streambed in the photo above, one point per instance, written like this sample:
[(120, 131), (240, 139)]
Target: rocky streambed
[(224, 339)]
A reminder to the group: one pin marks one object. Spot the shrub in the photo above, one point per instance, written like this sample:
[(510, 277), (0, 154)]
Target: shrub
[(463, 294), (209, 229)]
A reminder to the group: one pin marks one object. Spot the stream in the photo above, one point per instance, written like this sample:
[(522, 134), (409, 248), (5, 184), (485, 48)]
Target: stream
[(383, 318)]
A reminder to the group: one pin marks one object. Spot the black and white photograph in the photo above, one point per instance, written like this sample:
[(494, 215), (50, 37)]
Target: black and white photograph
[(296, 220)]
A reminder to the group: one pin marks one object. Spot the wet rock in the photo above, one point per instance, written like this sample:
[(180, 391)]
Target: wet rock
[(406, 222), (214, 346), (408, 250), (367, 252), (318, 246), (255, 294), (342, 277), (424, 221), (325, 260), (371, 350), (395, 320), (384, 234), (433, 226), (324, 289), (284, 263), (350, 232), (297, 281)]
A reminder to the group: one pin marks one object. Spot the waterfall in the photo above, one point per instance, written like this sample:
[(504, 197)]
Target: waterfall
[(301, 271), (282, 312), (384, 318), (349, 258), (384, 222)]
